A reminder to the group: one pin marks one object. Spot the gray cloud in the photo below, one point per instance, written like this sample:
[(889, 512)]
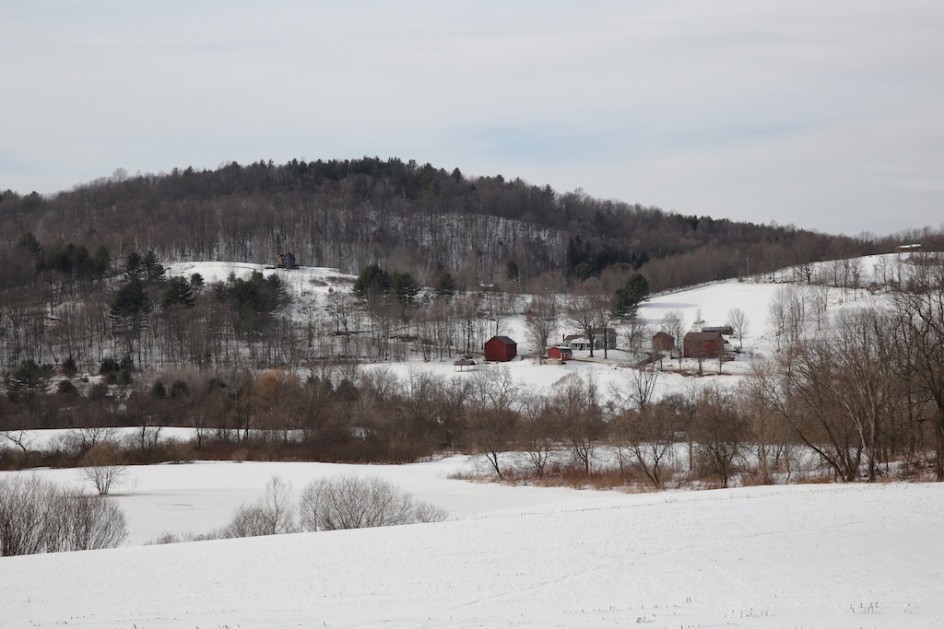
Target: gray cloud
[(824, 115)]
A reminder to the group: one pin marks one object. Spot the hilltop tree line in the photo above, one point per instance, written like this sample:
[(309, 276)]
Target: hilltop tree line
[(416, 218)]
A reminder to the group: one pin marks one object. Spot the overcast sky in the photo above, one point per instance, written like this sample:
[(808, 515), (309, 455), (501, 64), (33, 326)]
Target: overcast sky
[(827, 114)]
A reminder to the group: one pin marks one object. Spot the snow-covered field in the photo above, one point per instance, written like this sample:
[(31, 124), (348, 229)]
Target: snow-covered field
[(711, 302), (794, 556), (784, 556)]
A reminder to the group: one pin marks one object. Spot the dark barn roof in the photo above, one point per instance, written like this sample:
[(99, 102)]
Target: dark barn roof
[(504, 339)]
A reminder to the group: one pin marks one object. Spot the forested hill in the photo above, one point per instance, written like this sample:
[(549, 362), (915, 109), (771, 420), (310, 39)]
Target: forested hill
[(421, 219)]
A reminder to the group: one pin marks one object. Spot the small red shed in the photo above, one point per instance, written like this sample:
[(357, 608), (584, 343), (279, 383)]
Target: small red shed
[(500, 349), (663, 342), (561, 353)]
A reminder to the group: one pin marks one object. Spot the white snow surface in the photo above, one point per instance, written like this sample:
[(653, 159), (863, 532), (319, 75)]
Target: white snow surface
[(713, 301), (784, 556)]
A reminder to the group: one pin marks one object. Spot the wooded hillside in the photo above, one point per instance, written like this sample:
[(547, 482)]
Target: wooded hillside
[(424, 220)]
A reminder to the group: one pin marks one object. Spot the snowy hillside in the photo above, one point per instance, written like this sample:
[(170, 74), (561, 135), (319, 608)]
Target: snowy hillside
[(711, 302), (810, 556), (850, 555)]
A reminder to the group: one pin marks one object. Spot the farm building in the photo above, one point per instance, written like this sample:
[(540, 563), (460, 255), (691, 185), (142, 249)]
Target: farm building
[(703, 345), (464, 363), (580, 341), (285, 260), (500, 349), (663, 342), (561, 353)]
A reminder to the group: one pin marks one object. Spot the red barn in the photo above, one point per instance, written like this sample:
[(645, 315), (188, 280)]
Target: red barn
[(562, 354), (703, 345), (663, 342), (500, 349)]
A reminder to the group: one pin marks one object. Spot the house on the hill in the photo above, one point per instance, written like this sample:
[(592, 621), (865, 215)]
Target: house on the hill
[(703, 345), (500, 349), (600, 336), (285, 260), (561, 353), (663, 342), (727, 330)]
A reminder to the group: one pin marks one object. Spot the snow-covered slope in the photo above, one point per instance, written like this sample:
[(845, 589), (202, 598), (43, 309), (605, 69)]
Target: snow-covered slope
[(798, 556), (794, 556)]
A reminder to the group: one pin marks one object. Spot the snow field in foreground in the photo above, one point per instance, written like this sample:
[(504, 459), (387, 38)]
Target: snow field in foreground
[(811, 556)]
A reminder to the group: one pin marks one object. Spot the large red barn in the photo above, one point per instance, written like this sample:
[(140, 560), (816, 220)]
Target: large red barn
[(703, 345), (500, 349)]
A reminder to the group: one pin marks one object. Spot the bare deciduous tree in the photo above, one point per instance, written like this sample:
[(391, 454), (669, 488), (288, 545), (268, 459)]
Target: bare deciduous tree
[(101, 468), (635, 333), (641, 385), (537, 431), (578, 413), (490, 414), (920, 327), (584, 315), (649, 435), (719, 432), (541, 321), (673, 322), (739, 324)]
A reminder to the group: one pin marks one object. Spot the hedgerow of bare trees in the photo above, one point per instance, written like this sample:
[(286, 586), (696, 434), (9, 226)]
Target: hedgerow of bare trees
[(866, 390)]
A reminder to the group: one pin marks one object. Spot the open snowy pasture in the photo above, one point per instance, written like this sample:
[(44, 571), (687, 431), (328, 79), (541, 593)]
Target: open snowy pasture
[(201, 497), (782, 556)]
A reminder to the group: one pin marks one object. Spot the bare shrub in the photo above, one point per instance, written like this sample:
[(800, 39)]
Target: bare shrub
[(248, 521), (169, 537), (89, 522), (272, 515), (351, 502), (100, 467), (25, 507), (39, 517)]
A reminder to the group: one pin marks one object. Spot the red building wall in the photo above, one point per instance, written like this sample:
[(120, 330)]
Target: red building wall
[(500, 349), (703, 345), (560, 354)]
